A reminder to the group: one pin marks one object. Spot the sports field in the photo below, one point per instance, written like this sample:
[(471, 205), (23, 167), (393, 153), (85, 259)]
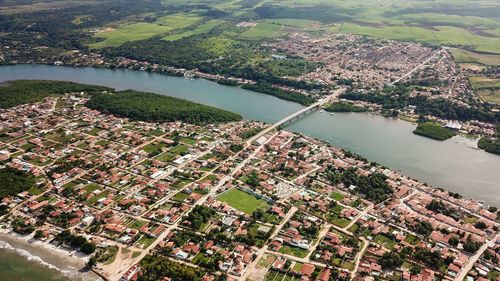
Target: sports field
[(242, 201)]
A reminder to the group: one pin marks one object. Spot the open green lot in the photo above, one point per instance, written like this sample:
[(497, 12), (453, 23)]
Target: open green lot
[(203, 28), (487, 88), (294, 251), (178, 21), (131, 32), (439, 35), (463, 56), (261, 31), (243, 201)]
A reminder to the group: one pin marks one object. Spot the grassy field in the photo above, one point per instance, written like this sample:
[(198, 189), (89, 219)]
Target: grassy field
[(242, 201), (463, 56), (178, 21), (481, 82), (385, 241), (487, 88), (439, 35), (203, 28), (294, 251), (262, 31), (291, 22), (132, 32)]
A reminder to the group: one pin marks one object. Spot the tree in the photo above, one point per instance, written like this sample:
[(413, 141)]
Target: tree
[(92, 262), (38, 234), (391, 260), (88, 248), (423, 228), (480, 225), (415, 269), (453, 241)]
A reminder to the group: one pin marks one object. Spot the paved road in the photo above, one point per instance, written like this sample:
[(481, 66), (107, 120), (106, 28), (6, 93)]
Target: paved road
[(472, 260)]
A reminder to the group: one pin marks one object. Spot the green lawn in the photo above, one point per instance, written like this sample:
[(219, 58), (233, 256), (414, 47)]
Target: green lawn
[(412, 239), (96, 198), (385, 241), (137, 224), (297, 266), (242, 201), (146, 241), (294, 251), (337, 196), (180, 196)]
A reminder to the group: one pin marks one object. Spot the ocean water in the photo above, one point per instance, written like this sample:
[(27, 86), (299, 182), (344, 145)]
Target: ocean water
[(20, 265), (21, 260)]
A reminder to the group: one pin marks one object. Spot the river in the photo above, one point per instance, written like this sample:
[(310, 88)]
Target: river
[(450, 164)]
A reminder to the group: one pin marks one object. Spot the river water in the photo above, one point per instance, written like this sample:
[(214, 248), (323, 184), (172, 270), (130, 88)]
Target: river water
[(450, 164)]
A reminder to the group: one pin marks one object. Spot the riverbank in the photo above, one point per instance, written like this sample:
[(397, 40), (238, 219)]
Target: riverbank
[(30, 259), (389, 141)]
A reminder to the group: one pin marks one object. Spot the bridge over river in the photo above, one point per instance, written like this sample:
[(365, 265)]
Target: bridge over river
[(297, 115)]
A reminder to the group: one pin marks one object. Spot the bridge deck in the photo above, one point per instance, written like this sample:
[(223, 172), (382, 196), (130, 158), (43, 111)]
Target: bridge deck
[(308, 109)]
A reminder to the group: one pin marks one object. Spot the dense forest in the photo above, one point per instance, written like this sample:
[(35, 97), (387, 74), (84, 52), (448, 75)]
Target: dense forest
[(14, 181), (399, 98), (18, 92), (158, 108), (490, 145), (344, 107), (434, 131), (280, 93)]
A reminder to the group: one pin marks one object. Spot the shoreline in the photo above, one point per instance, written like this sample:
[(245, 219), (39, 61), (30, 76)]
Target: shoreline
[(67, 262)]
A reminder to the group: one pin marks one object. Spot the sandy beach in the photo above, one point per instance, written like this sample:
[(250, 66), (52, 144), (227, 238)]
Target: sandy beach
[(67, 262)]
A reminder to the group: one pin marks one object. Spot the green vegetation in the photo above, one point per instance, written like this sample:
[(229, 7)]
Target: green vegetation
[(132, 32), (77, 242), (463, 56), (158, 108), (487, 88), (398, 97), (14, 181), (374, 187), (155, 268), (434, 131), (203, 28), (199, 216), (442, 35), (261, 31), (18, 92), (294, 251), (277, 92), (490, 145), (385, 241), (242, 201), (344, 107)]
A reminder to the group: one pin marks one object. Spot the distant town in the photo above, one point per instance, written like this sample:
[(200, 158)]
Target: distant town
[(234, 201)]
